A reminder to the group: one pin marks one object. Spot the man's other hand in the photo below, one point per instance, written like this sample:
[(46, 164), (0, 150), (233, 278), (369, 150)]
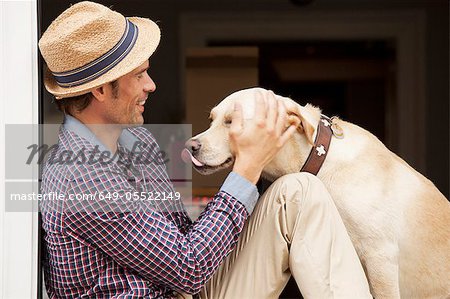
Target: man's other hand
[(256, 142)]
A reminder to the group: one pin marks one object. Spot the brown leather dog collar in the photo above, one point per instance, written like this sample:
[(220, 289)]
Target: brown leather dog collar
[(321, 146)]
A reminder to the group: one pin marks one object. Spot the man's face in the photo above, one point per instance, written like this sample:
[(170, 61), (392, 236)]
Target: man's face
[(128, 104)]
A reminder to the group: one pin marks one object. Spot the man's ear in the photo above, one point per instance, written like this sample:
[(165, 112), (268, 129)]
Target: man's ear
[(100, 93), (302, 118)]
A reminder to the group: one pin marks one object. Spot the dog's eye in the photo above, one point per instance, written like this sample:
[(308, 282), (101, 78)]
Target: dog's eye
[(227, 122)]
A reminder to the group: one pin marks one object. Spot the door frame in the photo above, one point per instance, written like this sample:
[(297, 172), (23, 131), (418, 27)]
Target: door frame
[(19, 82)]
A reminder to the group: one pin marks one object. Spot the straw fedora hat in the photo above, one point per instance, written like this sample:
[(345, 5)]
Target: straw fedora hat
[(89, 45)]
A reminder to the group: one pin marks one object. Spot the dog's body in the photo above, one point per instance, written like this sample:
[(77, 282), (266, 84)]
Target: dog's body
[(398, 220)]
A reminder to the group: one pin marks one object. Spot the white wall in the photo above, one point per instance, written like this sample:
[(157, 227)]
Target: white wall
[(18, 105)]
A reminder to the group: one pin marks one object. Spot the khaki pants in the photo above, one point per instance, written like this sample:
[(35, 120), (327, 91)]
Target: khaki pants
[(294, 229)]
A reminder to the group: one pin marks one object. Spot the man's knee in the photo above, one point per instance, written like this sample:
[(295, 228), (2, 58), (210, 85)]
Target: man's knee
[(301, 187), (298, 196)]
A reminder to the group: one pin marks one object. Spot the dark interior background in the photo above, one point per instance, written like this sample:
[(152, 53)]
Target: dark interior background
[(335, 97)]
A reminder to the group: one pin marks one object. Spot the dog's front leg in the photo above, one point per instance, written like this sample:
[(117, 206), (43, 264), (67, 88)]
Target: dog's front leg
[(381, 265)]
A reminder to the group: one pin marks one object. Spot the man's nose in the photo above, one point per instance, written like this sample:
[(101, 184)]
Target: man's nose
[(193, 144), (150, 85)]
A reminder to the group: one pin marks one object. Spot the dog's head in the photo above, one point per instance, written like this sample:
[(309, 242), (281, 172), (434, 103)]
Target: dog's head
[(210, 151)]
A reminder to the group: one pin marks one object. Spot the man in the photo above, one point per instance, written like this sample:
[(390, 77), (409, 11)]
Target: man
[(113, 247)]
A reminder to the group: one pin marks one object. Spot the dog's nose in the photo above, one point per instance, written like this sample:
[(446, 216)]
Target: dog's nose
[(194, 145)]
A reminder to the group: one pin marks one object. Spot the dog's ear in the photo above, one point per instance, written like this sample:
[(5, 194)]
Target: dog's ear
[(302, 118)]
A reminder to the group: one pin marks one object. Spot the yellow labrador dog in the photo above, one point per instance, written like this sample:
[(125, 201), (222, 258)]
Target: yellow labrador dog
[(398, 220)]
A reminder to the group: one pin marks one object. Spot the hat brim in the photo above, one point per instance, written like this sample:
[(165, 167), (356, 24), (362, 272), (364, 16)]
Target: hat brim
[(146, 43)]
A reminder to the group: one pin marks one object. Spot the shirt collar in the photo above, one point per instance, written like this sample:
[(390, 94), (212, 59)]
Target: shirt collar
[(126, 139)]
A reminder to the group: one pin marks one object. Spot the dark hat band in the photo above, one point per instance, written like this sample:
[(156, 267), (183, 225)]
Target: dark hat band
[(101, 65)]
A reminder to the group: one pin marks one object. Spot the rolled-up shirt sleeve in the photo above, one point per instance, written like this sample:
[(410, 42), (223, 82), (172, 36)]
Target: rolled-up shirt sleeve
[(241, 189)]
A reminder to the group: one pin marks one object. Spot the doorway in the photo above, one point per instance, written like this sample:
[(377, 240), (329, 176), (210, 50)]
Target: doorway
[(384, 50)]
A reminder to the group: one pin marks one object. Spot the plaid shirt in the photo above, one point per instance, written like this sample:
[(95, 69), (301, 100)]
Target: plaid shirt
[(128, 249)]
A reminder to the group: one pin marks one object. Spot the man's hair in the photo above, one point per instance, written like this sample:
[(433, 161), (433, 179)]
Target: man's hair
[(77, 104)]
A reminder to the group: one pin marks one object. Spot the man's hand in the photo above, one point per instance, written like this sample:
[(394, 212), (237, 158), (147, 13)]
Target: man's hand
[(255, 144)]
